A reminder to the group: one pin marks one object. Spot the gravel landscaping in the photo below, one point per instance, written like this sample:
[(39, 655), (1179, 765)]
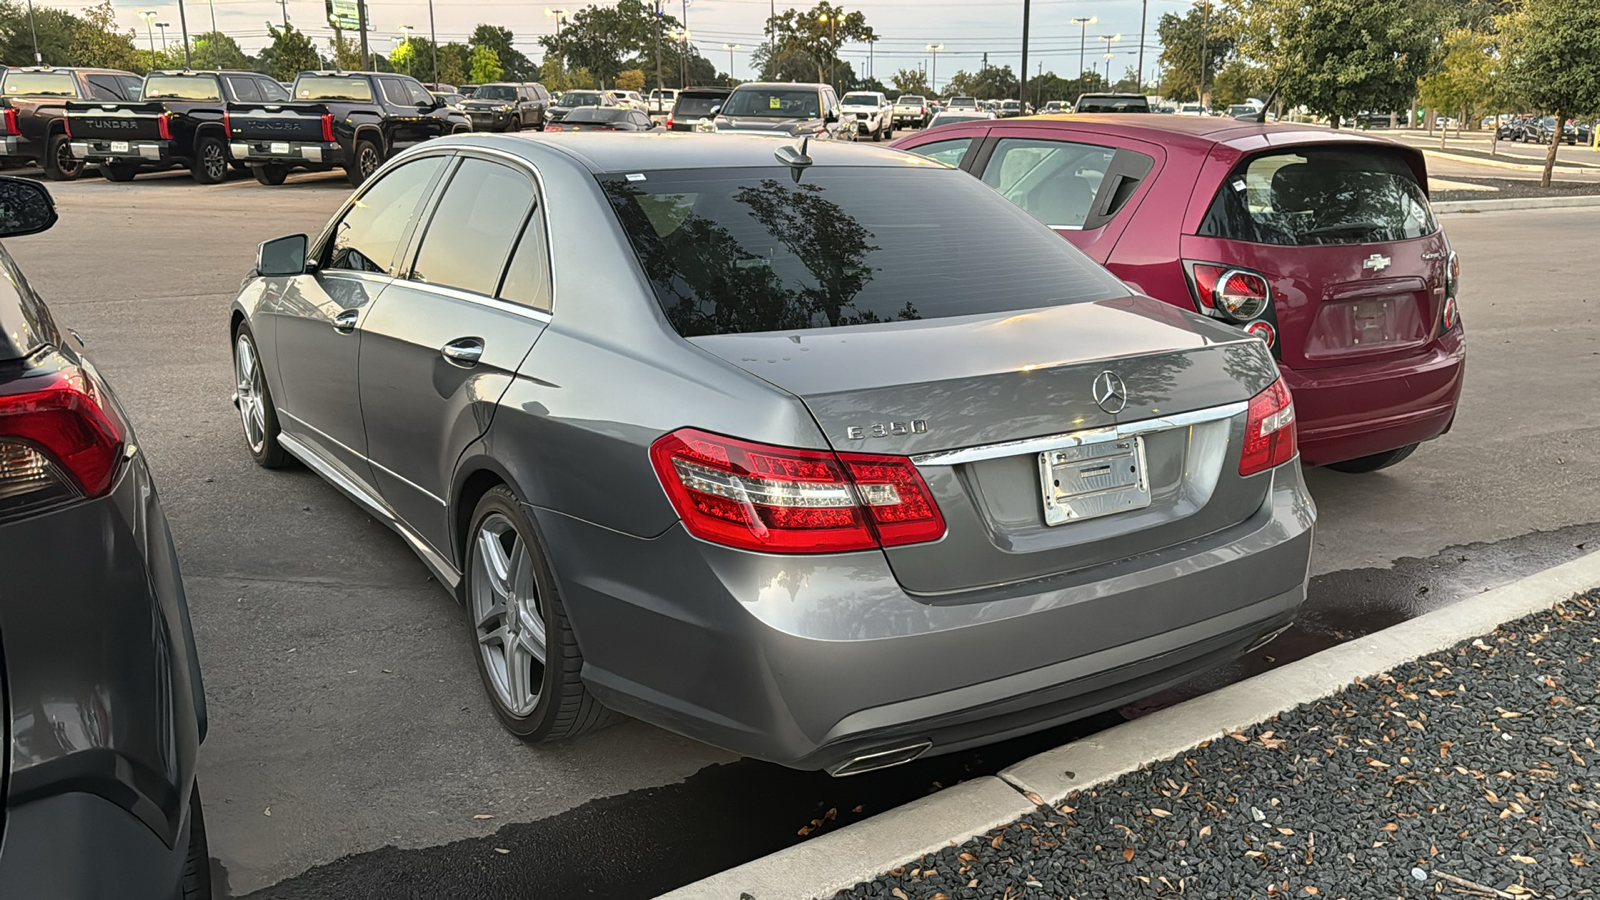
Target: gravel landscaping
[(1512, 188), (1469, 773)]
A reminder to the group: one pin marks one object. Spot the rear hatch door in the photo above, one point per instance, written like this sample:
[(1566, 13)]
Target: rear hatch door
[(120, 121), (1350, 248)]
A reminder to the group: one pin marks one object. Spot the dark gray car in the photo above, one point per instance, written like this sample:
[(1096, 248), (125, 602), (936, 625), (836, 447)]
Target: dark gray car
[(785, 110), (506, 106), (99, 682), (830, 457)]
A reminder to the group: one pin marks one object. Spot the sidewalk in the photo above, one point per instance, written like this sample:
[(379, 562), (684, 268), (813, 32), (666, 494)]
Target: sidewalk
[(1470, 772)]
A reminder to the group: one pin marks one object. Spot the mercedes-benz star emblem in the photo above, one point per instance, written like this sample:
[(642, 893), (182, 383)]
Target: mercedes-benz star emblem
[(1110, 392)]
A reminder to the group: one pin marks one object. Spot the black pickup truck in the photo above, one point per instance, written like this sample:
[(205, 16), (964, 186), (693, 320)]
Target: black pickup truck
[(351, 119), (179, 122), (33, 106)]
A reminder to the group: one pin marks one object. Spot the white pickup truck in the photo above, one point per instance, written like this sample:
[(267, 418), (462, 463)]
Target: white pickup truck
[(871, 111), (661, 101), (912, 110)]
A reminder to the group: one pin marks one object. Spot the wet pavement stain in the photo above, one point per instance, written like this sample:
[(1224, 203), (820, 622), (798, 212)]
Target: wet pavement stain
[(643, 843)]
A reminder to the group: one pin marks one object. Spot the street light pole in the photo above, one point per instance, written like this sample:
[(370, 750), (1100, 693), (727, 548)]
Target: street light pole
[(1205, 27), (216, 49), (183, 29), (163, 26), (1108, 40), (730, 48), (833, 56), (933, 84), (149, 16), (1144, 12), (1083, 36), (433, 38), (659, 85), (37, 59), (1022, 86), (361, 20)]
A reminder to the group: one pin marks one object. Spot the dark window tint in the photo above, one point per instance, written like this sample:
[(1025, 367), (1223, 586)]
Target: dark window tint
[(528, 277), (370, 232), (1320, 196), (948, 152), (470, 234), (1055, 181), (418, 94), (271, 91), (597, 114), (579, 98), (1093, 104), (739, 250), (695, 107), (109, 87), (245, 90), (394, 91)]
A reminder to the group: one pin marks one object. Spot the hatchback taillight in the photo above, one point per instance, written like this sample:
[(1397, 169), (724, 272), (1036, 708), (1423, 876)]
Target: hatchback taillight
[(57, 431), (788, 500), (1236, 294), (1269, 438)]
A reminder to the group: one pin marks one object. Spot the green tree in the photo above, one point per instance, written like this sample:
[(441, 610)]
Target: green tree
[(346, 52), (215, 50), (1338, 57), (455, 60), (610, 39), (291, 52), (912, 81), (1552, 52), (1185, 39), (415, 58), (485, 66), (1464, 81), (816, 35), (1238, 81), (630, 80), (514, 65), (57, 30), (988, 83), (96, 41)]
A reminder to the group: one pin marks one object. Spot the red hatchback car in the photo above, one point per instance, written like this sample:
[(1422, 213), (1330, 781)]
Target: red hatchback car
[(1320, 242)]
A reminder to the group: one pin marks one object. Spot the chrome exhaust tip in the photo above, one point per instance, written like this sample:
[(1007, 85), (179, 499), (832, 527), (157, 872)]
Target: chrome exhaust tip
[(880, 759), (1267, 639)]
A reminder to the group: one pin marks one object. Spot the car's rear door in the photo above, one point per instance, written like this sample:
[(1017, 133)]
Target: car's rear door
[(447, 340)]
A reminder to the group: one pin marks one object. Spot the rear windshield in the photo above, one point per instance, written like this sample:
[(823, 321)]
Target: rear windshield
[(963, 101), (911, 100), (40, 84), (1113, 104), (495, 92), (742, 250), (781, 103), (696, 106), (860, 100), (331, 87), (597, 114), (1321, 196), (579, 98), (182, 87)]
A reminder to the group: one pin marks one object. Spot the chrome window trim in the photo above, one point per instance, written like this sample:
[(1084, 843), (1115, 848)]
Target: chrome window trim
[(527, 312), (1080, 438)]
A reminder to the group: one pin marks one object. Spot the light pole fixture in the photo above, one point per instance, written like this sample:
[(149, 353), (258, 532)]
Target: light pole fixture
[(560, 16), (37, 59), (833, 56), (933, 84), (149, 17), (1083, 34), (216, 45), (730, 48), (405, 41), (1205, 29), (163, 26), (1108, 39), (682, 35)]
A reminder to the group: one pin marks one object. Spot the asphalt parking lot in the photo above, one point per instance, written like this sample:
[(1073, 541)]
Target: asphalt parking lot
[(346, 715)]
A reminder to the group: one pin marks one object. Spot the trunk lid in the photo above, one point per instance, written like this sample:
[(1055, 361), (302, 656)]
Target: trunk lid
[(120, 121), (968, 396), (276, 121)]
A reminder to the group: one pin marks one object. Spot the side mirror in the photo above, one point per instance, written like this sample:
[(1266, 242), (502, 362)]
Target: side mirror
[(831, 117), (282, 256), (715, 109), (25, 207)]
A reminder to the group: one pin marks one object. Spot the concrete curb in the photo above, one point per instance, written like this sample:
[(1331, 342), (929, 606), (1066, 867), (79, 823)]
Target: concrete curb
[(837, 861), (1567, 167), (1471, 206)]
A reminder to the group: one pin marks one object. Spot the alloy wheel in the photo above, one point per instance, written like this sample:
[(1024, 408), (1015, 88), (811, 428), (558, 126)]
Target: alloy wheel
[(506, 611), (65, 161), (247, 380), (216, 164), (367, 161)]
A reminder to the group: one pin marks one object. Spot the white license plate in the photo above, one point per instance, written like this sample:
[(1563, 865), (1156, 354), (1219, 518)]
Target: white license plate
[(119, 146), (1092, 480), (279, 147)]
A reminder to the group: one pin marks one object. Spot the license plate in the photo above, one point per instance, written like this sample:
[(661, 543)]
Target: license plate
[(119, 146), (280, 147), (1092, 480)]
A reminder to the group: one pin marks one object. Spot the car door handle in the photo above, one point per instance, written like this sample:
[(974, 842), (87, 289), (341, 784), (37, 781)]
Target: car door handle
[(345, 322), (464, 352)]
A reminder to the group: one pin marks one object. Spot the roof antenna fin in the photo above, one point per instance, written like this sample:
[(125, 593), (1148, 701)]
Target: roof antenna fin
[(794, 156)]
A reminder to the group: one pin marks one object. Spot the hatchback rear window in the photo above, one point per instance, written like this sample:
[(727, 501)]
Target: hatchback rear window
[(1314, 196), (744, 250)]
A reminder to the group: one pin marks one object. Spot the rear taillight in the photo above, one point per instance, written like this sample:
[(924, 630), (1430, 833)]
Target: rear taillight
[(11, 122), (1269, 438), (1263, 330), (66, 125), (669, 123), (327, 127), (227, 124), (1238, 295), (787, 500), (164, 126), (58, 423)]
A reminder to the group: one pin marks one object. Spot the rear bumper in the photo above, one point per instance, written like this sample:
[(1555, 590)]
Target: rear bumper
[(133, 151), (1347, 412), (288, 153), (79, 846), (813, 661)]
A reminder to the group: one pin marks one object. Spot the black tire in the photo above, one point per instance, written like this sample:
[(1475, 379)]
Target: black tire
[(365, 158), (268, 454), (239, 165), (196, 883), (210, 164), (1364, 464), (564, 708), (59, 163), (270, 174), (119, 171), (888, 130)]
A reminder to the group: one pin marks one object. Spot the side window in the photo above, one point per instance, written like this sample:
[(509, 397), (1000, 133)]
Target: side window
[(640, 119), (244, 89), (948, 152), (394, 91), (528, 277), (368, 236), (130, 86), (105, 87), (472, 229), (524, 93), (419, 94), (271, 91), (1054, 181)]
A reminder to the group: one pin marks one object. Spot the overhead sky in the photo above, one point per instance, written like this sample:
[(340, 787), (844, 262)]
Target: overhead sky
[(967, 28)]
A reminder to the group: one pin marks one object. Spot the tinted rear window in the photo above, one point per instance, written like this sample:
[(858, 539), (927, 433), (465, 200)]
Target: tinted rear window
[(331, 87), (598, 114), (1320, 196), (696, 106), (1113, 104), (744, 250), (577, 98), (182, 87), (40, 84)]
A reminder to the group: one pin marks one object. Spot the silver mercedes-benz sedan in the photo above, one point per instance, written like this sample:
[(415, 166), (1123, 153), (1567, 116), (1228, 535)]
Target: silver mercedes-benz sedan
[(825, 454)]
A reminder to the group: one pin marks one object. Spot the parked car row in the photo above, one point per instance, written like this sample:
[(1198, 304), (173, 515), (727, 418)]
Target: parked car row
[(1542, 130)]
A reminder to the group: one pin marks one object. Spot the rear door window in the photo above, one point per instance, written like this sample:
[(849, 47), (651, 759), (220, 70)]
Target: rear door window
[(948, 152), (108, 87), (244, 89), (418, 94), (1312, 196), (743, 250), (1054, 181), (472, 229)]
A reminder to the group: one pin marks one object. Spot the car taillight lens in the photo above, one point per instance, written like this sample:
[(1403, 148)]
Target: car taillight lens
[(11, 122), (669, 123), (1235, 294), (58, 422), (1269, 438), (1452, 275), (788, 500), (327, 127), (227, 124), (1263, 330), (164, 126)]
